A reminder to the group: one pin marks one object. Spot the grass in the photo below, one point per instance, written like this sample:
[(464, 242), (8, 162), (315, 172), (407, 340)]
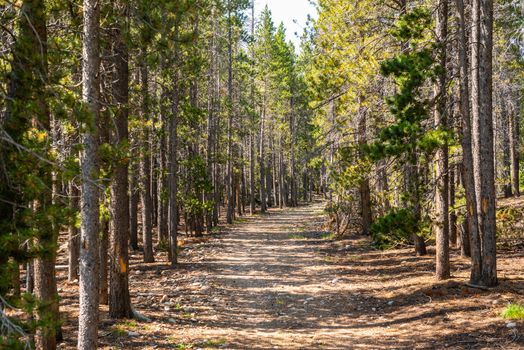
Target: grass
[(329, 236), (513, 312), (131, 324), (118, 332), (297, 237), (162, 246), (206, 344), (120, 329), (213, 343), (330, 259)]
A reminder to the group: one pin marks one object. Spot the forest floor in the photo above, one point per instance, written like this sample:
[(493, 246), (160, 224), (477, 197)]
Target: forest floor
[(279, 281)]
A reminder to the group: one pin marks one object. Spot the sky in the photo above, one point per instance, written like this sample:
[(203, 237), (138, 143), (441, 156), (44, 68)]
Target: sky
[(288, 11)]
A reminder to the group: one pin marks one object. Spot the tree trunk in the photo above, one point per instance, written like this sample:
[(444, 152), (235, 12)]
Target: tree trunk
[(211, 119), (145, 165), (464, 238), (162, 222), (441, 224), (103, 256), (514, 128), (252, 151), (453, 178), (482, 108), (467, 145), (230, 181), (172, 159), (261, 162), (119, 299), (88, 318), (134, 198), (365, 192), (506, 149), (73, 235)]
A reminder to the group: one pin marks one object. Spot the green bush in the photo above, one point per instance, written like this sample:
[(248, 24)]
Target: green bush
[(395, 227)]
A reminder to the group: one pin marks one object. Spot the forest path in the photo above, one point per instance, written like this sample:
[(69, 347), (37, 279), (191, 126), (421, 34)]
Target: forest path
[(261, 285), (277, 281), (269, 287)]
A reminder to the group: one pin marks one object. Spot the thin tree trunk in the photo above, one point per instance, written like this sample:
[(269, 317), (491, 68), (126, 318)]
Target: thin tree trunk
[(506, 150), (145, 165), (88, 319), (441, 224), (365, 192), (229, 182), (73, 235), (172, 159), (467, 146), (514, 150), (252, 202), (134, 198), (211, 120), (453, 176), (261, 161), (103, 256)]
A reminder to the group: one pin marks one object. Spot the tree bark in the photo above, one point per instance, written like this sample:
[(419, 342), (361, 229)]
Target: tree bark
[(365, 192), (172, 159), (73, 235), (103, 254), (483, 142), (261, 161), (230, 214), (134, 198), (441, 224), (514, 128), (145, 165), (89, 287), (119, 299), (453, 178), (467, 145)]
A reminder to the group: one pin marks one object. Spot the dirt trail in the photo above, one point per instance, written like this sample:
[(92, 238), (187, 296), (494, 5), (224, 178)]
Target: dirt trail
[(277, 282), (272, 285)]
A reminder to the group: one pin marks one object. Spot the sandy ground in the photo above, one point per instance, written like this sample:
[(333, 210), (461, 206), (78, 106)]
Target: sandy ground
[(278, 281)]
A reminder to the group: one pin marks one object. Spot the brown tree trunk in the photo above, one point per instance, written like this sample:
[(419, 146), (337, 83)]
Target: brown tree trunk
[(119, 299), (103, 256), (172, 158), (134, 198), (441, 224), (262, 162), (145, 165), (506, 149), (483, 155), (73, 235), (467, 146), (230, 187), (453, 176), (252, 151), (514, 128), (365, 192), (163, 225)]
